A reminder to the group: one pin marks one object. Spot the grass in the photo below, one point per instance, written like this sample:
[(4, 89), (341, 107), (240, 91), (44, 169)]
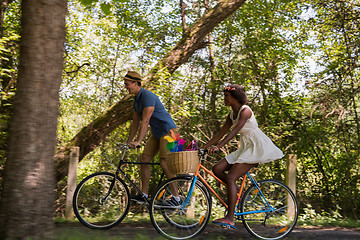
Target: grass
[(310, 217), (326, 222)]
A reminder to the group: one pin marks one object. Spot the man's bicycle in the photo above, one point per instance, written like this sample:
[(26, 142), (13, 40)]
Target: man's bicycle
[(268, 208), (102, 200)]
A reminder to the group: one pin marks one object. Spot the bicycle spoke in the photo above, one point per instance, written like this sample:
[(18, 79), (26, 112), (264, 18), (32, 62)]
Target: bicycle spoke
[(93, 209), (282, 218), (180, 221)]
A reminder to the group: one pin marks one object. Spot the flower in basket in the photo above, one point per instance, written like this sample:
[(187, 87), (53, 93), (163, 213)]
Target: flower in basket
[(169, 139), (180, 146), (174, 144), (193, 146), (173, 135)]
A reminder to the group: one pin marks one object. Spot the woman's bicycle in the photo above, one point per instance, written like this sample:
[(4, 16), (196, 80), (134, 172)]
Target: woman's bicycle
[(102, 200), (268, 208)]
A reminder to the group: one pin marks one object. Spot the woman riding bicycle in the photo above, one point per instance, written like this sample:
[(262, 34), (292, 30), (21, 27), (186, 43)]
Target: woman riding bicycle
[(255, 147)]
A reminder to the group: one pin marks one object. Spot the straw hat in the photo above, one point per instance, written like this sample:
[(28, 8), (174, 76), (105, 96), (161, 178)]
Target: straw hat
[(133, 76)]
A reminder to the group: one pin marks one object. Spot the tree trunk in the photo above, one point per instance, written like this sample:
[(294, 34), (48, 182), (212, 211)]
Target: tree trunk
[(26, 205), (193, 39)]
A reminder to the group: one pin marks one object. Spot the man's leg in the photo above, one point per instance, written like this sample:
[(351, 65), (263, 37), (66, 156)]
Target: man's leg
[(163, 165), (163, 152), (145, 173), (174, 189), (162, 156), (149, 152)]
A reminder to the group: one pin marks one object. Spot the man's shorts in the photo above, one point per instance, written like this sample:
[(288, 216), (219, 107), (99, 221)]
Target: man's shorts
[(153, 145)]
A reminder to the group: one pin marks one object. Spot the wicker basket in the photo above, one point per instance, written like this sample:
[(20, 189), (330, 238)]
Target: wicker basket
[(182, 162)]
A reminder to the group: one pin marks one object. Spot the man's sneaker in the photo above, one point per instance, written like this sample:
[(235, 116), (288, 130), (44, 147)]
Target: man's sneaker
[(171, 203), (138, 199)]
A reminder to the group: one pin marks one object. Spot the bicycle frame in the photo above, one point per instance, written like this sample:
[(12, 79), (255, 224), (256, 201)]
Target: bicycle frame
[(263, 207), (237, 214), (126, 176)]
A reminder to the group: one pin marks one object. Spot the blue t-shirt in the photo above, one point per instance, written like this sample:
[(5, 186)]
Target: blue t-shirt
[(160, 121)]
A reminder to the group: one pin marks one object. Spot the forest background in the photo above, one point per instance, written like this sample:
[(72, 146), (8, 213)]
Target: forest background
[(298, 60)]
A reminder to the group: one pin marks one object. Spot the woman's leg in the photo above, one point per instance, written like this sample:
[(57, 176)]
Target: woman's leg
[(220, 168), (236, 171)]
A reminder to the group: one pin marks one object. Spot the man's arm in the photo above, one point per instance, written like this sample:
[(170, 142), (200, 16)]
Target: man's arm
[(146, 115), (134, 126)]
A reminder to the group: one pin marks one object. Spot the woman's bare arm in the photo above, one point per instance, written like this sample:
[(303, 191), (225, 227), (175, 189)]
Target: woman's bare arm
[(220, 134), (244, 116)]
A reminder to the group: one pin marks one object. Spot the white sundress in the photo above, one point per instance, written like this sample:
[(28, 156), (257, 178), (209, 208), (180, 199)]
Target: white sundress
[(255, 146)]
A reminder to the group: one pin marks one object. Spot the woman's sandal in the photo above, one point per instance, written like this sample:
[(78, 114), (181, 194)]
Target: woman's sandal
[(224, 224)]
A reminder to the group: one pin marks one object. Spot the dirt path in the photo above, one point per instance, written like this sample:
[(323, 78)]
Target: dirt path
[(146, 231)]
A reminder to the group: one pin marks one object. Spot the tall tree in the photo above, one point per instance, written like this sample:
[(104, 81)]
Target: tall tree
[(26, 207), (193, 38)]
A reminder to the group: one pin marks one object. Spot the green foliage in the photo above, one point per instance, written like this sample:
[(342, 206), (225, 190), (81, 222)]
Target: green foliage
[(88, 2), (298, 61), (310, 217), (106, 8), (331, 164), (9, 51)]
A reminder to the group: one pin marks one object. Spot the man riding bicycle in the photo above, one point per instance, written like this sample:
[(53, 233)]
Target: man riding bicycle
[(148, 110)]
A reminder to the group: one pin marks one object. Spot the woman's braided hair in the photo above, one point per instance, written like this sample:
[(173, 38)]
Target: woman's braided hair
[(237, 92)]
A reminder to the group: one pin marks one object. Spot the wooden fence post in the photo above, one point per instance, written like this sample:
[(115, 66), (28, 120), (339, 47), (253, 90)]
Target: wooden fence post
[(71, 181), (290, 180)]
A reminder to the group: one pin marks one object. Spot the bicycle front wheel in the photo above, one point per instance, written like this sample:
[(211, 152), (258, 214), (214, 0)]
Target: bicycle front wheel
[(183, 219), (275, 210), (98, 208)]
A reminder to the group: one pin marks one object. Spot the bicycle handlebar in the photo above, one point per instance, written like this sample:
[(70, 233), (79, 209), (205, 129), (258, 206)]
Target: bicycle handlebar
[(202, 152), (125, 145)]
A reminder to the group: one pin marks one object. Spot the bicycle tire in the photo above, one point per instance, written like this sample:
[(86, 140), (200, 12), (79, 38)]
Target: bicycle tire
[(184, 221), (90, 206), (277, 223)]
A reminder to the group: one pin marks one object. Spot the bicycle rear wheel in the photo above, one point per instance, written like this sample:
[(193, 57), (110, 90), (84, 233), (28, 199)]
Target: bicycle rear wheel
[(283, 214), (186, 219), (94, 208)]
